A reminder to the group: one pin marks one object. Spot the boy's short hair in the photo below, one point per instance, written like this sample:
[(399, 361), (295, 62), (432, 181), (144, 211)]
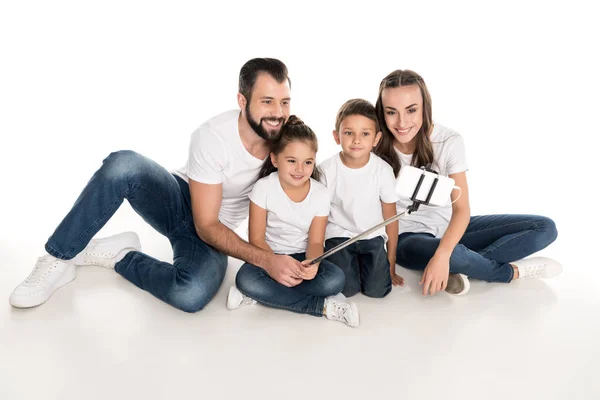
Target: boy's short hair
[(356, 107)]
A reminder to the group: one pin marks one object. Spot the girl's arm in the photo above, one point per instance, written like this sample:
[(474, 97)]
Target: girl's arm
[(316, 238), (389, 210), (435, 276), (257, 227)]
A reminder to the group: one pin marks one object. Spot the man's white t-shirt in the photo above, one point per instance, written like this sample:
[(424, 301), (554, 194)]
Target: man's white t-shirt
[(449, 158), (288, 222), (356, 195), (217, 155)]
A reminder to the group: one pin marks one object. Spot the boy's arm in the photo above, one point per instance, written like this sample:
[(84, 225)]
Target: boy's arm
[(389, 210)]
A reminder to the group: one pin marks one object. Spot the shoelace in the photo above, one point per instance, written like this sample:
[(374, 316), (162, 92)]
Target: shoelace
[(533, 272), (338, 311), (101, 259), (43, 267), (247, 301)]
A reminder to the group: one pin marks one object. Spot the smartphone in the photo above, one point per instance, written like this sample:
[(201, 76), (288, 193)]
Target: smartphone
[(409, 178)]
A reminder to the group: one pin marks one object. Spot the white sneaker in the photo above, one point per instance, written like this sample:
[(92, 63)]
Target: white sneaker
[(49, 274), (237, 299), (458, 284), (338, 308), (106, 252), (537, 267)]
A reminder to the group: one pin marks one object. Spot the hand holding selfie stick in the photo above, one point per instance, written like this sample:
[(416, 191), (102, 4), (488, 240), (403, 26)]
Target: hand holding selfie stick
[(425, 173)]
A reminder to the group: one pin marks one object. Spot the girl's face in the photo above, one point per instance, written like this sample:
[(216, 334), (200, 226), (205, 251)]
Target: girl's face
[(403, 110), (295, 164)]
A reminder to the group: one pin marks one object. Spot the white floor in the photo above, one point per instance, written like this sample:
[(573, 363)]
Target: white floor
[(100, 337)]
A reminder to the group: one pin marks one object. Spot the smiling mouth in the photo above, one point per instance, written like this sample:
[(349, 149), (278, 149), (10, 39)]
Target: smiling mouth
[(273, 123), (297, 177), (403, 131)]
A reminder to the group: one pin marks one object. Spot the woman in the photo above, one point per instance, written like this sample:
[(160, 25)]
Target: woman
[(446, 242)]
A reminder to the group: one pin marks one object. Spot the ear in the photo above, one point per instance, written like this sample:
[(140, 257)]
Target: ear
[(273, 160), (377, 138), (336, 136), (241, 101)]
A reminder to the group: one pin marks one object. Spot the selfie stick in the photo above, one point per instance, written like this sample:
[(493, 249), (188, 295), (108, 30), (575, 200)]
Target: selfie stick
[(412, 208)]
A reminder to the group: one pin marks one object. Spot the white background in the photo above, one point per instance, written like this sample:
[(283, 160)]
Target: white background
[(519, 80)]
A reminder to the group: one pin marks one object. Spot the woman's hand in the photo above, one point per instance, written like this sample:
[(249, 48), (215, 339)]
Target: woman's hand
[(435, 276)]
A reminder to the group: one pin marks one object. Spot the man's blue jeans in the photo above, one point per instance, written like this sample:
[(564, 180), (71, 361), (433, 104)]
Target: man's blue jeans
[(163, 201), (489, 244)]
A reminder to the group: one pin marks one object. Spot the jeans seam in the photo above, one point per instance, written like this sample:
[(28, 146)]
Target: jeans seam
[(502, 226), (505, 243), (95, 223)]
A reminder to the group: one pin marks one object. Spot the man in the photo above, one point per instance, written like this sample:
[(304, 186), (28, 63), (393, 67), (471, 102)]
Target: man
[(196, 207)]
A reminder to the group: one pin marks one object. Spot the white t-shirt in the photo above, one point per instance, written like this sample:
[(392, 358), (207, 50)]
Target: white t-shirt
[(449, 158), (356, 195), (217, 155), (288, 222)]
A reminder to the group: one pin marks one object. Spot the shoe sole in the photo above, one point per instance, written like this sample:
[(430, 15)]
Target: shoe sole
[(230, 303), (355, 312), (466, 286), (31, 302)]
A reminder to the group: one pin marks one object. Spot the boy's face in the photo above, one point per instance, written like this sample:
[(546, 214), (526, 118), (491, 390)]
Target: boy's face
[(357, 136)]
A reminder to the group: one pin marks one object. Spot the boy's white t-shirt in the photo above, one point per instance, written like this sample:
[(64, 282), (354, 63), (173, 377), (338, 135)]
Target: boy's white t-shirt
[(449, 158), (288, 222), (356, 195), (217, 155)]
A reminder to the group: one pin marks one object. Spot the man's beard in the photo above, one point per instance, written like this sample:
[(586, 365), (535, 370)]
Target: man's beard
[(258, 128)]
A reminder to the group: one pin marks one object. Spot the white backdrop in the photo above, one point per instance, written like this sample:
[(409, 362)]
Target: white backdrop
[(81, 79)]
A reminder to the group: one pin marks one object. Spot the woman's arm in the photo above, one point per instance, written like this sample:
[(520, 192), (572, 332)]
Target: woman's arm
[(435, 276)]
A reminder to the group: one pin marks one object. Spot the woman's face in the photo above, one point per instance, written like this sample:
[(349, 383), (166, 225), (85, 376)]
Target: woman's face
[(403, 110)]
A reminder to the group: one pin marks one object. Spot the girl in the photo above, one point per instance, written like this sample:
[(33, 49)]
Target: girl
[(288, 215), (446, 242)]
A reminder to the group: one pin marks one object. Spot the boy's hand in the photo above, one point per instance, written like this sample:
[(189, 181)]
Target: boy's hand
[(397, 280)]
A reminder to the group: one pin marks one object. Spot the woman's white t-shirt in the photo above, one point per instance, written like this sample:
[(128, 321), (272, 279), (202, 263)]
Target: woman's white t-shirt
[(449, 158)]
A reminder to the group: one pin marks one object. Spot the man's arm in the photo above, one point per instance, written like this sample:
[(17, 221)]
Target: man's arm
[(206, 204)]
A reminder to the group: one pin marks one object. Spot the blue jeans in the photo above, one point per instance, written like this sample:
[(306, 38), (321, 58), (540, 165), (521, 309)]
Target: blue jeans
[(163, 201), (365, 265), (489, 244), (307, 298)]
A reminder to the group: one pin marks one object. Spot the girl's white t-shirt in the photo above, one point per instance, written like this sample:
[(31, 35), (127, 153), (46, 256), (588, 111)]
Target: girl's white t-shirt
[(288, 222)]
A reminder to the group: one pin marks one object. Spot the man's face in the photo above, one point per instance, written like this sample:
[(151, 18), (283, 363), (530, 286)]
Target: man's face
[(269, 106)]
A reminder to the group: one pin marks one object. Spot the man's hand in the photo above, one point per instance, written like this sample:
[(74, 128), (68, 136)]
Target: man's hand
[(284, 269)]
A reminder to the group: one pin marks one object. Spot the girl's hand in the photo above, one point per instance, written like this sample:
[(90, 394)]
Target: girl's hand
[(397, 280), (435, 276), (309, 271)]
